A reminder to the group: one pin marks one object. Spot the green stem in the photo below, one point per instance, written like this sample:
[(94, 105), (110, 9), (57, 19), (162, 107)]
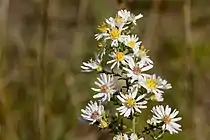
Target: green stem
[(134, 124)]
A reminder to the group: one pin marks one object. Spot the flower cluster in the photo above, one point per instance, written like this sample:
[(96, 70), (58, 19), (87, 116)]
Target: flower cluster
[(124, 86)]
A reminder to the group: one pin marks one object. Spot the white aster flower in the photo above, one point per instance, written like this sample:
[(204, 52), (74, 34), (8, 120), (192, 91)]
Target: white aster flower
[(101, 47), (128, 17), (135, 137), (167, 117), (103, 29), (118, 57), (100, 36), (111, 22), (124, 14), (154, 84), (157, 97), (119, 22), (131, 103), (93, 112), (121, 137), (164, 85), (106, 87), (132, 42), (142, 53), (115, 35), (115, 22), (152, 121), (135, 69), (133, 18), (91, 65)]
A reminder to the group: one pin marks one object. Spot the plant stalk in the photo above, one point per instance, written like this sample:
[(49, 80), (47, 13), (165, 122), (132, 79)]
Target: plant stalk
[(134, 124)]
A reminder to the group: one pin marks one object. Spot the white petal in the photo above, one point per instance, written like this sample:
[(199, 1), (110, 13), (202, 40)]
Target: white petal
[(127, 113), (120, 98), (99, 95), (146, 68)]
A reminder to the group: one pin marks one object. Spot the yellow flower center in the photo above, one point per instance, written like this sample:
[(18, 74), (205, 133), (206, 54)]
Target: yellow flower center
[(153, 98), (103, 27), (137, 70), (119, 56), (151, 83), (100, 46), (105, 89), (167, 119), (130, 102), (143, 51), (99, 68), (131, 44), (114, 33), (103, 123), (118, 19)]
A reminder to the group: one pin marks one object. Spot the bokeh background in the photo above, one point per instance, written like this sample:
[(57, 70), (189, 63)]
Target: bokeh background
[(43, 43)]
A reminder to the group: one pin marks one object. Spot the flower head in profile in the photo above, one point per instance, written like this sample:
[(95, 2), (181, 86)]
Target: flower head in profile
[(157, 97), (124, 15), (128, 17), (103, 123), (131, 103), (133, 136), (118, 58), (152, 122), (93, 112), (105, 87), (103, 28), (142, 53), (132, 41), (119, 22), (115, 22), (101, 47), (121, 137), (167, 117), (91, 65), (154, 84), (135, 70)]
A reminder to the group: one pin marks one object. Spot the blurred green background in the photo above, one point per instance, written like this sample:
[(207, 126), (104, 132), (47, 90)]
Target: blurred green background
[(43, 43)]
